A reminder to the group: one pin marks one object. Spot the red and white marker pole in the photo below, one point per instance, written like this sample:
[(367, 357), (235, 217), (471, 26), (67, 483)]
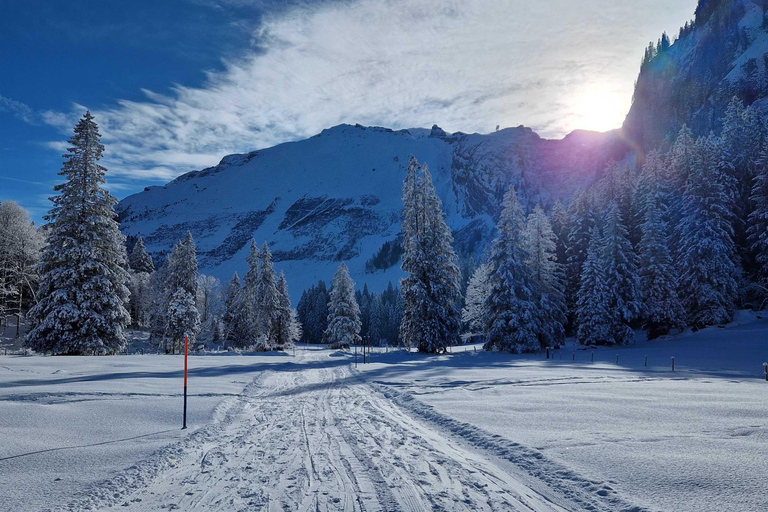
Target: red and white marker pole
[(186, 350)]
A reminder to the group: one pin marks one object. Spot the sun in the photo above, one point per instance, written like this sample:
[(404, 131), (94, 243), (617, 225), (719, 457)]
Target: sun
[(598, 108)]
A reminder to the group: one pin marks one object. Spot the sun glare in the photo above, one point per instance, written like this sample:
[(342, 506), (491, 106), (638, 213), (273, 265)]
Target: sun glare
[(599, 109)]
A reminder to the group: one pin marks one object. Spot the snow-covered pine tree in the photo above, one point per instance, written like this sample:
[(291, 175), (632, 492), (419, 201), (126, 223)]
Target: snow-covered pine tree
[(82, 294), (478, 289), (621, 276), (182, 275), (593, 318), (139, 260), (581, 220), (141, 268), (266, 299), (662, 310), (377, 320), (559, 221), (343, 312), (413, 289), (284, 328), (236, 325), (708, 276), (183, 318), (758, 219), (547, 277), (432, 288), (512, 322), (249, 300)]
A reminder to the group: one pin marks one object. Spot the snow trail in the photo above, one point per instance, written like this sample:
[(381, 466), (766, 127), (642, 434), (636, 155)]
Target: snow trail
[(319, 438)]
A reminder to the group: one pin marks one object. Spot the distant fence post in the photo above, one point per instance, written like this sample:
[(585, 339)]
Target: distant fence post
[(765, 370), (673, 363), (574, 357), (593, 356), (617, 358), (547, 352)]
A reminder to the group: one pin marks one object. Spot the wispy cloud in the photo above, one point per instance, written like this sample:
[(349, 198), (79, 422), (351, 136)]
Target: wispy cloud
[(463, 64), (19, 110)]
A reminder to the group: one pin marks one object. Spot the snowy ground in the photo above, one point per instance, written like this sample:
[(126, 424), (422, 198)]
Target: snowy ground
[(467, 431)]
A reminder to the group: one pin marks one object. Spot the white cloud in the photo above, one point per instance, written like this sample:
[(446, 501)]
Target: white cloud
[(464, 64)]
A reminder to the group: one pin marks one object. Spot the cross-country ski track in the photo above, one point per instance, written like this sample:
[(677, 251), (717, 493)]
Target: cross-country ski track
[(318, 437)]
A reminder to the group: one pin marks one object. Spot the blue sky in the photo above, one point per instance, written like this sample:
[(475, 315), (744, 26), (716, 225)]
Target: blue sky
[(177, 84)]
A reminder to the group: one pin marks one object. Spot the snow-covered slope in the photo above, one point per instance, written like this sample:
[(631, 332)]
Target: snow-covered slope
[(723, 54), (337, 196)]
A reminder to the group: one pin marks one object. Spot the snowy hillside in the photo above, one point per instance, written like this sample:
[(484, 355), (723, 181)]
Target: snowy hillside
[(721, 55), (337, 196)]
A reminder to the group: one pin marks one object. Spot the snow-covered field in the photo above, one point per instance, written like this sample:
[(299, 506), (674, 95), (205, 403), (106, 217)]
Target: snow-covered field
[(467, 431)]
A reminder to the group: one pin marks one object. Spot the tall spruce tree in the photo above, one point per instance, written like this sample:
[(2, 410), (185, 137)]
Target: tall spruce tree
[(621, 277), (432, 289), (758, 219), (82, 293), (267, 300), (662, 310), (139, 260), (285, 330), (251, 308), (547, 277), (705, 264), (343, 311), (593, 318), (512, 321), (181, 276)]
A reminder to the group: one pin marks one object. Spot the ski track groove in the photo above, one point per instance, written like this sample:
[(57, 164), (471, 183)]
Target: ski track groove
[(322, 439)]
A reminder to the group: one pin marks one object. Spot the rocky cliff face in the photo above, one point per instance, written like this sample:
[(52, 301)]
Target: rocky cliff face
[(336, 196), (723, 54)]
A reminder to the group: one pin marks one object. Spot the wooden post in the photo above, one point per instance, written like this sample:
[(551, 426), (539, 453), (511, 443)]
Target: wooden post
[(574, 357), (617, 358), (547, 352), (673, 363), (593, 356), (765, 370)]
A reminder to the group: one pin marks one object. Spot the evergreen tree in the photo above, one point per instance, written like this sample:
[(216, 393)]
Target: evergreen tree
[(139, 260), (432, 289), (377, 320), (512, 322), (548, 278), (560, 229), (285, 329), (758, 219), (473, 314), (343, 312), (251, 307), (236, 324), (705, 264), (267, 300), (312, 311), (183, 317), (82, 293), (580, 223), (182, 275), (621, 277), (592, 315), (662, 310)]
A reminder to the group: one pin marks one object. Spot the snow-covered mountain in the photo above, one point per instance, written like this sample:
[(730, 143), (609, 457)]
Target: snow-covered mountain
[(337, 196), (723, 53)]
